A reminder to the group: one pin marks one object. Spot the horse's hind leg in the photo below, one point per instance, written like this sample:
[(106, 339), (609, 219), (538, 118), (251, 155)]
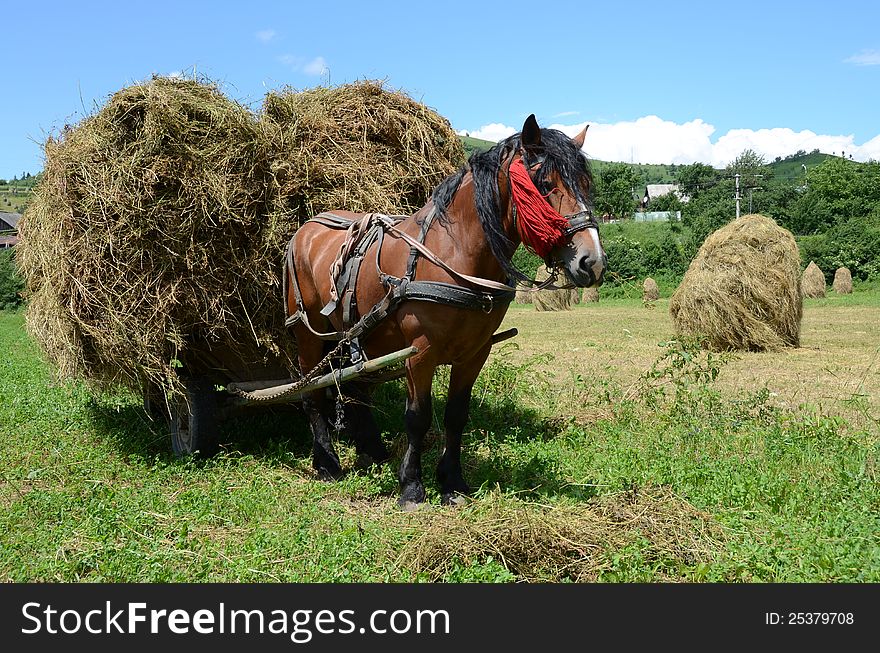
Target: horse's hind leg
[(418, 419), (362, 426), (461, 382)]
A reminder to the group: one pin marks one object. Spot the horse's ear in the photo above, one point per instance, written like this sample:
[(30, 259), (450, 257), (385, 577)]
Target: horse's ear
[(531, 133), (579, 139)]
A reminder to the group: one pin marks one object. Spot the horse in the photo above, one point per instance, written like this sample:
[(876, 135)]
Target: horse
[(442, 284)]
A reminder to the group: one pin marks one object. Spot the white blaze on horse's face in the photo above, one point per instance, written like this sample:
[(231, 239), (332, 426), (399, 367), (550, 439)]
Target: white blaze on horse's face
[(582, 258)]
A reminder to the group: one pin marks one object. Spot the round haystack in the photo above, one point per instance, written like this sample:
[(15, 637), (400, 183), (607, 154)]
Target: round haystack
[(813, 282), (154, 243), (550, 300), (842, 284), (523, 295), (650, 291), (742, 290), (590, 295)]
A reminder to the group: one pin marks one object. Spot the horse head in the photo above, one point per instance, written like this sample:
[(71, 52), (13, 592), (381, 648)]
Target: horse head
[(551, 204)]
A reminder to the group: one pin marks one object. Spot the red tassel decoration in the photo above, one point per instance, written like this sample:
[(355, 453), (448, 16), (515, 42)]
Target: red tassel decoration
[(540, 227)]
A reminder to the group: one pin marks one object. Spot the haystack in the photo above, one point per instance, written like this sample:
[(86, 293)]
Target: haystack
[(156, 236), (650, 291), (523, 295), (842, 284), (813, 282), (742, 290), (550, 300), (590, 295)]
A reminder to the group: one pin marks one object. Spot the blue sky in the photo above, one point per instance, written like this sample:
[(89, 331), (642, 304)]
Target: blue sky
[(657, 81)]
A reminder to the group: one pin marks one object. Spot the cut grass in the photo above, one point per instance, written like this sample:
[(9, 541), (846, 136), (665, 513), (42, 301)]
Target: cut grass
[(583, 472)]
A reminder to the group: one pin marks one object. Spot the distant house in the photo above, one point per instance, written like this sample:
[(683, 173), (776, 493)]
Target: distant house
[(653, 191), (9, 221), (8, 229)]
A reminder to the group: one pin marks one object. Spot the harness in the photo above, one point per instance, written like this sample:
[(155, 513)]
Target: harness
[(362, 234), (373, 228)]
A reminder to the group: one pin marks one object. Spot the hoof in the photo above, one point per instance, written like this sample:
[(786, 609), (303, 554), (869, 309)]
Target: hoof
[(412, 495), (330, 474), (454, 499), (411, 506)]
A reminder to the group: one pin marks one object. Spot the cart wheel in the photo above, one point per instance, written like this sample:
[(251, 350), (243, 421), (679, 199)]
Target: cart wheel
[(194, 420)]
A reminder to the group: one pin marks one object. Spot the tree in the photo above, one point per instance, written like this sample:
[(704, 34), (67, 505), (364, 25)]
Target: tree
[(838, 190), (751, 168), (695, 178), (668, 202), (614, 190)]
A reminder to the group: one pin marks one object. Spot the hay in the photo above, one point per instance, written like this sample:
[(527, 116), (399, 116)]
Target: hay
[(650, 291), (562, 542), (842, 284), (813, 282), (157, 233), (523, 295), (742, 290), (550, 300), (590, 295), (358, 147)]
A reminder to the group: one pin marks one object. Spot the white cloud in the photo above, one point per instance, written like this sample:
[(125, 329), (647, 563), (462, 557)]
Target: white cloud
[(492, 132), (651, 139), (177, 74), (566, 114), (865, 58), (291, 60), (266, 35), (316, 66)]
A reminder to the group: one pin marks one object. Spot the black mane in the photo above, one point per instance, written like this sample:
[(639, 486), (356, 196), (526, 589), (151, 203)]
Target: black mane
[(558, 154)]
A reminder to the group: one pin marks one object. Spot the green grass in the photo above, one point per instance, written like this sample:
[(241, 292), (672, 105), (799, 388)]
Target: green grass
[(90, 492)]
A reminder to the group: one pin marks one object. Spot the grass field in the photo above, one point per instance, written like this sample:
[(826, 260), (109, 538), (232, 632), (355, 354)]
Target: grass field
[(601, 450)]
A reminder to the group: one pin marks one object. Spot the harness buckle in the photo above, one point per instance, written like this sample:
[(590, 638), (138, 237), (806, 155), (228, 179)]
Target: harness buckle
[(491, 304)]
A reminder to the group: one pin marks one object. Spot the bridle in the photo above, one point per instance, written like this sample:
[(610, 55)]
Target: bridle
[(575, 222)]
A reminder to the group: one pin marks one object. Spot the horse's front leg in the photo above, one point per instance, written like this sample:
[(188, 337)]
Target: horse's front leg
[(461, 382), (419, 375), (324, 459)]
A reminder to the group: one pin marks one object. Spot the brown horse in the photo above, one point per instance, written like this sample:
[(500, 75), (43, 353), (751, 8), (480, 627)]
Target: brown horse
[(461, 243)]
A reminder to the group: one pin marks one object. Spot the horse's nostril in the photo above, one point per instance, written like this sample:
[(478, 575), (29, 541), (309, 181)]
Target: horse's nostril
[(586, 263)]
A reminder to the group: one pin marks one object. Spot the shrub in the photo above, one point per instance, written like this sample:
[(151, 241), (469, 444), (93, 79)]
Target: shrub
[(11, 283)]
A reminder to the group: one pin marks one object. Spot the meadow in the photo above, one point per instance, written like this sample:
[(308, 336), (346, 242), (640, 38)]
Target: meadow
[(600, 449)]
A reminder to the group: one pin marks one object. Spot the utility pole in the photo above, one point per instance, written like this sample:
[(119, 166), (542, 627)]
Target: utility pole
[(736, 176)]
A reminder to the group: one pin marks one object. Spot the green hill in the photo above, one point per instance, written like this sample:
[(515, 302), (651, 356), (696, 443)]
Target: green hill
[(472, 145), (791, 169)]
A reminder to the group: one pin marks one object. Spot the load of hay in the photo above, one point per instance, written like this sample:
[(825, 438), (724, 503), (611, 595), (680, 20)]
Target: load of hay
[(590, 295), (650, 291), (742, 290), (358, 147), (842, 284), (813, 282), (156, 237), (550, 300)]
